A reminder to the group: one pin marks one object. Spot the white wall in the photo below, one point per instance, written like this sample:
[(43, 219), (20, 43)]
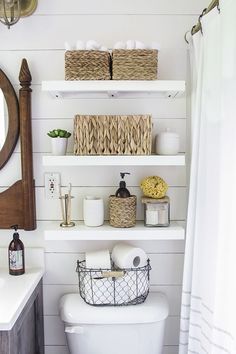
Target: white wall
[(40, 39)]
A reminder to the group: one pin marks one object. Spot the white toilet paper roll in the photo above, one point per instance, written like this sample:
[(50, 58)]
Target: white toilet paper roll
[(127, 256), (67, 46), (120, 45), (103, 49), (98, 259), (80, 45), (130, 44), (92, 45), (126, 289), (140, 45), (98, 291)]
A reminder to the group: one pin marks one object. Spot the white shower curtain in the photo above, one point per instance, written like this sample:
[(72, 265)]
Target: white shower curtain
[(208, 313)]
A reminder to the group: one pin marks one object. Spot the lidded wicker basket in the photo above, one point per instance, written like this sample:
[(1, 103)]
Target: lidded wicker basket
[(122, 211), (112, 135), (87, 65), (134, 64)]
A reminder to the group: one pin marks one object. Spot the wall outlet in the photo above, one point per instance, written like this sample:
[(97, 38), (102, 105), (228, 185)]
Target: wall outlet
[(52, 183)]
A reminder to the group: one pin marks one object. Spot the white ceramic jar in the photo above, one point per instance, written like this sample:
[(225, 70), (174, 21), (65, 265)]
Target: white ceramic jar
[(93, 208), (167, 143)]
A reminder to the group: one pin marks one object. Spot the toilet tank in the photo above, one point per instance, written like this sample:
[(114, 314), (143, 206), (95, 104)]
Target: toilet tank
[(135, 329)]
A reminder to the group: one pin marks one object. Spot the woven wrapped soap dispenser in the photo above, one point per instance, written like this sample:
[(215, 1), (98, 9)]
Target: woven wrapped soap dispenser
[(122, 206)]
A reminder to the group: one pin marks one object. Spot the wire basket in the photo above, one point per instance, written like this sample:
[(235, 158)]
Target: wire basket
[(113, 287)]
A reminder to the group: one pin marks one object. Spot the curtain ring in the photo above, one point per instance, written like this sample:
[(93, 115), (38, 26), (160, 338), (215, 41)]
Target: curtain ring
[(192, 30), (185, 37), (199, 21), (200, 17)]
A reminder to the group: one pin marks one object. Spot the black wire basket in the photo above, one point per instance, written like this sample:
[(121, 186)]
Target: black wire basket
[(113, 287)]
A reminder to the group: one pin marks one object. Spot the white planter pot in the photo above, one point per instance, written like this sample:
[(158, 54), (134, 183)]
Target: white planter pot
[(93, 209), (59, 146)]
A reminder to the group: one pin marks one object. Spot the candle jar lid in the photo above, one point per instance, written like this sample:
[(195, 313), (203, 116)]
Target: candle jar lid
[(146, 200)]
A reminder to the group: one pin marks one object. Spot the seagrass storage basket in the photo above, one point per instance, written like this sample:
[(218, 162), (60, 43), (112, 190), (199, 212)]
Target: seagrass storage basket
[(87, 65), (112, 135), (134, 64), (122, 211)]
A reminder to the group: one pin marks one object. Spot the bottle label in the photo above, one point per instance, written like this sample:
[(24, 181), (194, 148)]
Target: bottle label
[(16, 260)]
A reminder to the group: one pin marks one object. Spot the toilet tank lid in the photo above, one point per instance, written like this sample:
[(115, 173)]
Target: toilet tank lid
[(73, 310)]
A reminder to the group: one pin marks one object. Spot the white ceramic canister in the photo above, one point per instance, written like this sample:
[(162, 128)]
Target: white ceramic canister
[(93, 208), (167, 143)]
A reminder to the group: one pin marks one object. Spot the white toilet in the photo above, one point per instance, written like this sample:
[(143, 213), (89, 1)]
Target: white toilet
[(135, 329)]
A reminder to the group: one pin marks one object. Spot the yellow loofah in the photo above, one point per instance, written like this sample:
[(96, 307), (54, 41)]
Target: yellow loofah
[(154, 187)]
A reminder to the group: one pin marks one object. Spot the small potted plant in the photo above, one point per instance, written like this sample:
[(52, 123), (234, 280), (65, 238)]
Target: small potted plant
[(59, 141)]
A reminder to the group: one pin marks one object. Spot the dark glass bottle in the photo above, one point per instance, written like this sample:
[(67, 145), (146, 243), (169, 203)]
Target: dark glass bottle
[(123, 192), (16, 254)]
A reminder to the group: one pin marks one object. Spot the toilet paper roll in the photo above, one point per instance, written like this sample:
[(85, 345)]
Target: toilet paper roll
[(127, 256), (80, 45), (92, 45), (98, 259), (99, 291), (130, 44), (68, 46), (103, 49), (126, 289), (140, 45), (120, 45)]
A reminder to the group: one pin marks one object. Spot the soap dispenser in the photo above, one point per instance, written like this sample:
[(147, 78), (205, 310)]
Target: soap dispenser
[(122, 206), (16, 254), (123, 192)]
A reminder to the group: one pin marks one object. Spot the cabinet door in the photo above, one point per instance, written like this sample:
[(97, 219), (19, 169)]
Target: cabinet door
[(25, 336)]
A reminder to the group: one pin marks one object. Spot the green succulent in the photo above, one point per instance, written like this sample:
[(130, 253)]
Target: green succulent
[(59, 133)]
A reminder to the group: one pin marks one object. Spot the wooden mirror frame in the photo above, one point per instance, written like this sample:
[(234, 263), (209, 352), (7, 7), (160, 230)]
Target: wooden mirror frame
[(13, 119), (17, 203)]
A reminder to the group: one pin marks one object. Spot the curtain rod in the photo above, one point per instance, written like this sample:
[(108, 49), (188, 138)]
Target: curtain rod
[(198, 26)]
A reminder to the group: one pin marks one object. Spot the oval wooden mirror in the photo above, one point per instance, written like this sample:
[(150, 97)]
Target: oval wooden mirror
[(9, 119), (17, 203)]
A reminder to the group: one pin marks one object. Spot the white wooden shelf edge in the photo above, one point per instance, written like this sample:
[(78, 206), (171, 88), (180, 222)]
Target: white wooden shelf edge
[(114, 89), (81, 232), (148, 160)]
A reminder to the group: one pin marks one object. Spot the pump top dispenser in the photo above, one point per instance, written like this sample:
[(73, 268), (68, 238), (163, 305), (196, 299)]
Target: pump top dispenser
[(122, 206), (16, 254), (122, 191)]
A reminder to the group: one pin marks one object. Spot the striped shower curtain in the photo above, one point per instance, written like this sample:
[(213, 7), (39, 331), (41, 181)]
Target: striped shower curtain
[(208, 313)]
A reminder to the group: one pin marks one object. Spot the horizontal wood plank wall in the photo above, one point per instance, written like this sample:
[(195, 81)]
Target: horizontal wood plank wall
[(40, 38)]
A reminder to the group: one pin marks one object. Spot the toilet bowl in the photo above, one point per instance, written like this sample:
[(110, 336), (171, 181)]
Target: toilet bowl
[(135, 329)]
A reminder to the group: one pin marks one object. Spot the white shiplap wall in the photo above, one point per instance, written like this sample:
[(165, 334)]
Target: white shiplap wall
[(40, 39)]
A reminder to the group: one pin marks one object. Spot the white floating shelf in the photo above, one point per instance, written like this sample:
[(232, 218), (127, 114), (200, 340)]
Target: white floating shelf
[(147, 160), (114, 89), (81, 232)]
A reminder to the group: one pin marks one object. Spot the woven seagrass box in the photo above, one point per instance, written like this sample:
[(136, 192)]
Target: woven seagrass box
[(122, 211), (134, 64), (112, 135), (87, 65)]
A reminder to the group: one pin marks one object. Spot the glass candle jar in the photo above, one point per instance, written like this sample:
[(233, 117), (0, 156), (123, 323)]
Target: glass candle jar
[(156, 211)]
